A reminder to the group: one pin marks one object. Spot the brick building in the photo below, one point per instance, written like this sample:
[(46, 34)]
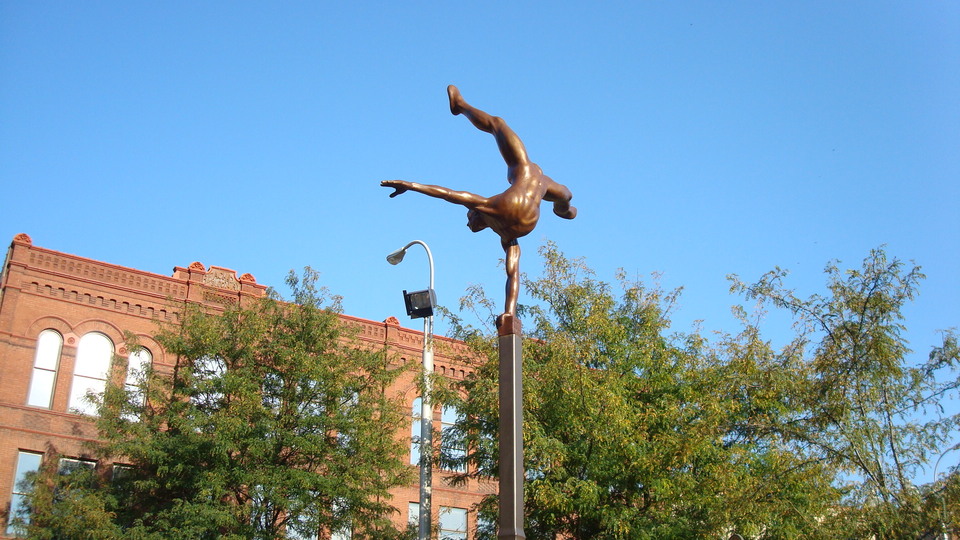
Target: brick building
[(63, 317)]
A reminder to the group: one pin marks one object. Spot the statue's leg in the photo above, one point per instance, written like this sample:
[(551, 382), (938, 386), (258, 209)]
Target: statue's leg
[(511, 147), (560, 196)]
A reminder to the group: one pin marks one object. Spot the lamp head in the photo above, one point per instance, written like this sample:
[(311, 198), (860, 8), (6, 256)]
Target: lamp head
[(396, 256)]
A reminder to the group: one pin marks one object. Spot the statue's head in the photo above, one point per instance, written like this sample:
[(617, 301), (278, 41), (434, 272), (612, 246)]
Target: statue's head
[(475, 221)]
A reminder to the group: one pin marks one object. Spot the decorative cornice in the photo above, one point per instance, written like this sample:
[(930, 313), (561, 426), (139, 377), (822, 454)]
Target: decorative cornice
[(221, 278), (97, 272)]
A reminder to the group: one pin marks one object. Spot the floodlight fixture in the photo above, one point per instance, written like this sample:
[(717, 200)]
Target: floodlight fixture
[(420, 304)]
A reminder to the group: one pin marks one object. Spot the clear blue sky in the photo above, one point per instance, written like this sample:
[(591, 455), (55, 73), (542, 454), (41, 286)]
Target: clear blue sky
[(699, 138)]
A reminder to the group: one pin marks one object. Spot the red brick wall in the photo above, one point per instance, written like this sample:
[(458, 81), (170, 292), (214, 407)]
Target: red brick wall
[(43, 289)]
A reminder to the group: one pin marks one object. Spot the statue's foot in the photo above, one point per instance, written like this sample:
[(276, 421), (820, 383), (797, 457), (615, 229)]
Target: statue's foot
[(455, 98)]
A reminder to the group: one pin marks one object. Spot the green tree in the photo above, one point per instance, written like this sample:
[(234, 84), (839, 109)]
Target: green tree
[(633, 433), (862, 405), (274, 423)]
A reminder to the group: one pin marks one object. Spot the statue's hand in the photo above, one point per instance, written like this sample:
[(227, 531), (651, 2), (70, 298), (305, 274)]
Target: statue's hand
[(399, 186)]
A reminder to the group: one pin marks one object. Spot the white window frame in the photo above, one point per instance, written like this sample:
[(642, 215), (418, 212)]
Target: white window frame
[(452, 523), (413, 514), (90, 372), (46, 363)]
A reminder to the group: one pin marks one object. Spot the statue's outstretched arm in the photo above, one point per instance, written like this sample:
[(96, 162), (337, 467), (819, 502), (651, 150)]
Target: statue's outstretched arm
[(465, 198)]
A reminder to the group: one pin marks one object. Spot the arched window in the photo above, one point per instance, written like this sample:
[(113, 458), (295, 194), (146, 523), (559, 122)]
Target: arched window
[(416, 416), (94, 353), (46, 361)]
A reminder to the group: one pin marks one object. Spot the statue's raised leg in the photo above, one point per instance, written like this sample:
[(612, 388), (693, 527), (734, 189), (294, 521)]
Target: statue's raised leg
[(510, 145)]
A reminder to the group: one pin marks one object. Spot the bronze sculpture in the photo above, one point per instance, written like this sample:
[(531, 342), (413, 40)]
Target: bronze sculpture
[(511, 214)]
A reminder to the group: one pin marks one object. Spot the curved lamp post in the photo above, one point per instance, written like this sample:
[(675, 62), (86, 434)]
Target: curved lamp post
[(420, 304)]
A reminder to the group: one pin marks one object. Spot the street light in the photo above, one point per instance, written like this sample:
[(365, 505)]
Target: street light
[(420, 304), (943, 494)]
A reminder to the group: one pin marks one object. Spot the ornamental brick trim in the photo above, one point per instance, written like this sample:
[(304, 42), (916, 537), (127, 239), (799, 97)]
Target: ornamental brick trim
[(49, 322), (161, 312), (107, 328)]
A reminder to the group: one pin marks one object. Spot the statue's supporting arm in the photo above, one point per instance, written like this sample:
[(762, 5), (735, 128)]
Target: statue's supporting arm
[(511, 252)]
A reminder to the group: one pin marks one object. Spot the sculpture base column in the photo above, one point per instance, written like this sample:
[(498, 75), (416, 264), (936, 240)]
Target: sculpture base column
[(511, 430)]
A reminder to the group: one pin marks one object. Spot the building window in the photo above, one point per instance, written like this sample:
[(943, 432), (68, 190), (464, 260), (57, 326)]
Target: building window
[(294, 527), (46, 361), (451, 446), (348, 405), (135, 384), (121, 472), (71, 465), (453, 523), (94, 353), (27, 462), (413, 515), (416, 416), (345, 531), (486, 528), (208, 373), (300, 523), (272, 392)]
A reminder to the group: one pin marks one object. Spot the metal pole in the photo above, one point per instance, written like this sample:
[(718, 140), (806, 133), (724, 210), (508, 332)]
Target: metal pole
[(426, 429), (426, 410)]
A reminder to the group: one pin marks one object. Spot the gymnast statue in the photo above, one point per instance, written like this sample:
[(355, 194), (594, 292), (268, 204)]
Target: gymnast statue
[(511, 214)]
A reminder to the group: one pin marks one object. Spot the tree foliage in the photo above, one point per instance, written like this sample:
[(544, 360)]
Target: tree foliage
[(274, 423), (862, 405), (634, 432)]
